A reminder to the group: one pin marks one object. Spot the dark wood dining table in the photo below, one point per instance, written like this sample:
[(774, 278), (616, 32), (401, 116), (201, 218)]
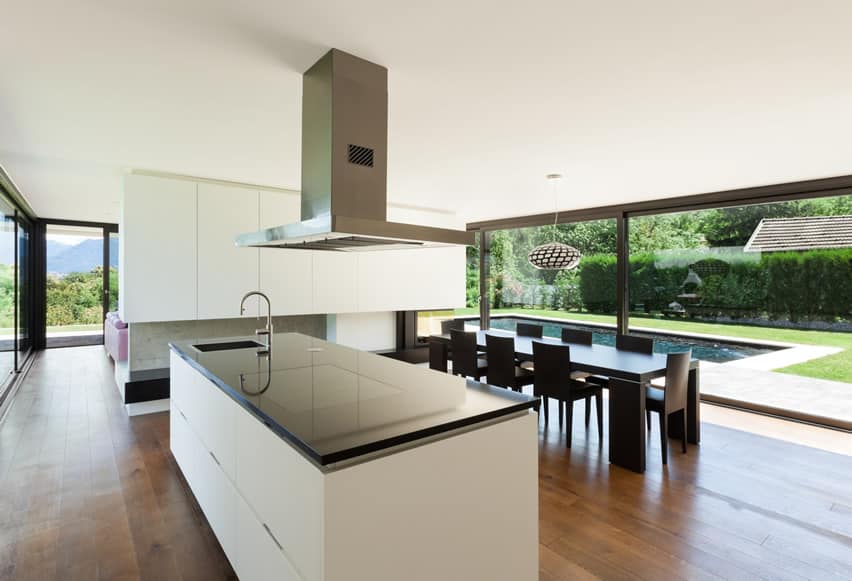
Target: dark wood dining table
[(628, 374)]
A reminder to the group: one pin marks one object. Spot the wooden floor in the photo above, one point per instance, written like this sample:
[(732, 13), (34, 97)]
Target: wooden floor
[(88, 493)]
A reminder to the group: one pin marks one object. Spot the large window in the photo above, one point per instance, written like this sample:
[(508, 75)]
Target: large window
[(757, 273), (586, 294), (761, 292)]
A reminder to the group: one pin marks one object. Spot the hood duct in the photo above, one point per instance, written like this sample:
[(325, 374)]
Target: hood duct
[(344, 166)]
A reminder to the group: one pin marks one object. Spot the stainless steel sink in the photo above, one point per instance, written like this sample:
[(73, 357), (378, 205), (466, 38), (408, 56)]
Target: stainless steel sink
[(227, 346)]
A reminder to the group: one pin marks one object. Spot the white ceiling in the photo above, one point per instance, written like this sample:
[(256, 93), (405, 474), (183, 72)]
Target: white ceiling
[(630, 100)]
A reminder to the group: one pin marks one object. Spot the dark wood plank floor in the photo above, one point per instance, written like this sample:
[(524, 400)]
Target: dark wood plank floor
[(88, 493)]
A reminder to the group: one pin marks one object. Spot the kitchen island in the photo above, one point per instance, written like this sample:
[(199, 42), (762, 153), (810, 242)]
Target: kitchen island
[(318, 462)]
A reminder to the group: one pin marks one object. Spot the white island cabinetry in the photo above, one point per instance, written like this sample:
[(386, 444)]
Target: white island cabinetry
[(448, 508)]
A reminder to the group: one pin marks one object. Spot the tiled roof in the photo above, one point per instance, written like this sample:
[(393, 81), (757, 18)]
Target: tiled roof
[(778, 234)]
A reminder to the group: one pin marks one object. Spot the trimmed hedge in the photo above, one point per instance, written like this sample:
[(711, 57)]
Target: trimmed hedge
[(809, 285), (797, 285)]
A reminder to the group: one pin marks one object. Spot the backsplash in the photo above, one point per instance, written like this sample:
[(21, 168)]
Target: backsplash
[(149, 342)]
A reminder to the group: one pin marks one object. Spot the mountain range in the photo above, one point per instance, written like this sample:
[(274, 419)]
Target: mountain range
[(81, 257), (66, 258)]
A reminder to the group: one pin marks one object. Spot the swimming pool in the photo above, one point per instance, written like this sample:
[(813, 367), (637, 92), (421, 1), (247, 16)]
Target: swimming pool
[(717, 352)]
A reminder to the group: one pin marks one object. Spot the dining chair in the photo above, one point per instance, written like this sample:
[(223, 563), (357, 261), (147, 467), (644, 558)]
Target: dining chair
[(576, 336), (502, 370), (670, 399), (635, 344), (580, 337), (553, 380), (466, 359), (450, 324), (438, 356), (529, 330)]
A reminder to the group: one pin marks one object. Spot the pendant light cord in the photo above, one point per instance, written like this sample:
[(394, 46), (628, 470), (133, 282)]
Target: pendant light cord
[(555, 177)]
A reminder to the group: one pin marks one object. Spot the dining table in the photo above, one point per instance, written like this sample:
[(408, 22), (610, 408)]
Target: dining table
[(629, 373)]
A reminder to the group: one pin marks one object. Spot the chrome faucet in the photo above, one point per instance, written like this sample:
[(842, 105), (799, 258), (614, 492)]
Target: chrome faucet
[(266, 331)]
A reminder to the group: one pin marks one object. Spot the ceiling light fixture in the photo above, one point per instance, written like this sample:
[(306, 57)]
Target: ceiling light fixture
[(554, 255)]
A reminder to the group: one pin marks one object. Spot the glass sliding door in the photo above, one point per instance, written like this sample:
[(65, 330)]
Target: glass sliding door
[(7, 292), (74, 285), (23, 304), (112, 272)]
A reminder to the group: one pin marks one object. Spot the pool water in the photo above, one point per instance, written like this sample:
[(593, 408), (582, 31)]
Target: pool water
[(718, 352)]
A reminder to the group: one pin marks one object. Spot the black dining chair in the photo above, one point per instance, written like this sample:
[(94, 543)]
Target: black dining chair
[(529, 330), (579, 337), (576, 336), (466, 359), (634, 344), (553, 380), (438, 356), (447, 326), (502, 370), (450, 324), (670, 399)]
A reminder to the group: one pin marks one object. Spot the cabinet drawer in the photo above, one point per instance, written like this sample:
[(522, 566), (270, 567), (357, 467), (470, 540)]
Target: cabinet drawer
[(284, 490), (208, 410), (259, 556), (216, 425), (180, 442), (211, 487)]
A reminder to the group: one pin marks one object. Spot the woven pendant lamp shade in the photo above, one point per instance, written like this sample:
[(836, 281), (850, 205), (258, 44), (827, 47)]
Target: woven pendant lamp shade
[(554, 256)]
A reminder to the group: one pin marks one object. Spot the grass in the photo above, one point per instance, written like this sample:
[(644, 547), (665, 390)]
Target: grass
[(837, 367)]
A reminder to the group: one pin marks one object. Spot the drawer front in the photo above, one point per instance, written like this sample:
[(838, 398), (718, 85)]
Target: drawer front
[(180, 441), (216, 425), (211, 487), (219, 503), (259, 556), (284, 490), (208, 410)]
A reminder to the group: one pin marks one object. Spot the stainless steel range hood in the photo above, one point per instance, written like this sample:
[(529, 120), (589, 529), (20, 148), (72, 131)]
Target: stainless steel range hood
[(344, 166)]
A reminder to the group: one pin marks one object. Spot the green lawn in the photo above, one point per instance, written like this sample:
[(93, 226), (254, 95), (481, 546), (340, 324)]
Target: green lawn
[(837, 367)]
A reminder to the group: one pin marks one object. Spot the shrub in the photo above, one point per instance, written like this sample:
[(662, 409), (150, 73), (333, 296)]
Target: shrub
[(597, 282)]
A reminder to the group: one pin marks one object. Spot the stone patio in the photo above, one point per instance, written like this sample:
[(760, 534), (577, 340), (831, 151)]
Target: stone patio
[(816, 400)]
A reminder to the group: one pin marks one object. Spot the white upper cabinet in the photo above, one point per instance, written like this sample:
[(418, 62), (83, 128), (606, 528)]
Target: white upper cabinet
[(286, 276), (397, 280), (178, 259), (158, 244), (335, 288), (225, 271)]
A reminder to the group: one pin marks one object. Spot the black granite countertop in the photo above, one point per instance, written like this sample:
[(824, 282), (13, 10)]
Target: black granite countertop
[(334, 403)]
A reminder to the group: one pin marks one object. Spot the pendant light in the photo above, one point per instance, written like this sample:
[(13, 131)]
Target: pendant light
[(554, 255)]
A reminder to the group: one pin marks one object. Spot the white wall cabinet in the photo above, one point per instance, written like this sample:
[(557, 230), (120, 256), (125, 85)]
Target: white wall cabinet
[(334, 281), (399, 280), (225, 271), (158, 244), (178, 260)]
